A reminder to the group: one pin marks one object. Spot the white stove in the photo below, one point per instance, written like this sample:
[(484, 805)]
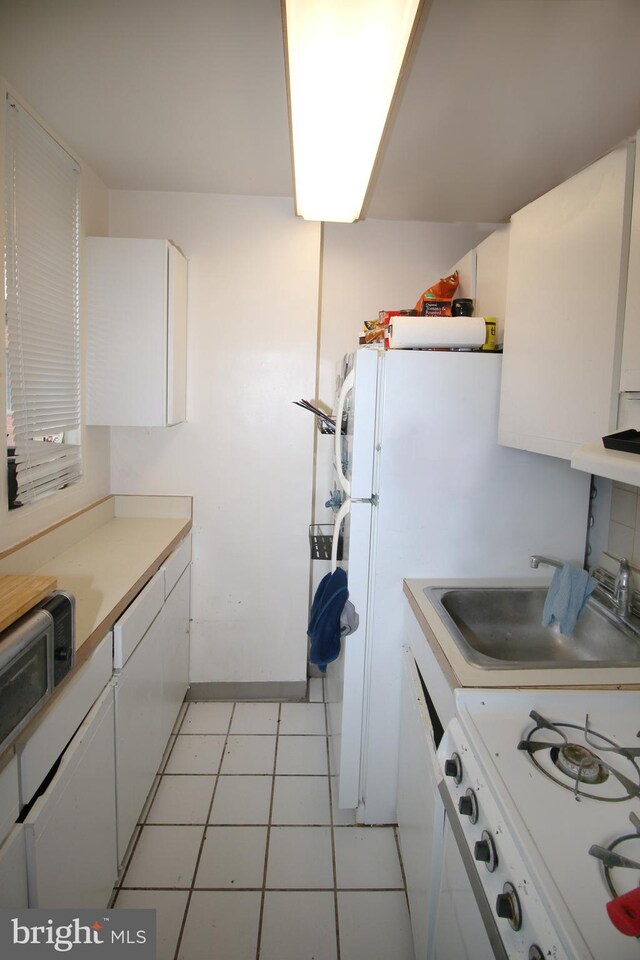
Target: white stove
[(544, 788)]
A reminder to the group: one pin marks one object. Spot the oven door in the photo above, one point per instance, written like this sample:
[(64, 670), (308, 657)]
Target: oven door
[(464, 924), (26, 671)]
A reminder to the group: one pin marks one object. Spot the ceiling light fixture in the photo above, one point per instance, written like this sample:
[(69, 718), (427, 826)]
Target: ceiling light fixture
[(344, 59)]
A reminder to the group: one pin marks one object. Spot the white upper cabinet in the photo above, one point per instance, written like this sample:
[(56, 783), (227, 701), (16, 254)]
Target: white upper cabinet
[(565, 310), (630, 372), (137, 332)]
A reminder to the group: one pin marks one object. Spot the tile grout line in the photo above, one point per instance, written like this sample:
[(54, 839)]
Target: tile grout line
[(396, 834), (332, 825), (204, 836), (266, 849)]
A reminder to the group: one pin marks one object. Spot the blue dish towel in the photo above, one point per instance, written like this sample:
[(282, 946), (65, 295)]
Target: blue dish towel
[(324, 622), (567, 597)]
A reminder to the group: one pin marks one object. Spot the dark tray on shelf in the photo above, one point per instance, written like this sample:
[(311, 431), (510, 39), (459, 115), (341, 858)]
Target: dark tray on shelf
[(321, 541), (626, 440)]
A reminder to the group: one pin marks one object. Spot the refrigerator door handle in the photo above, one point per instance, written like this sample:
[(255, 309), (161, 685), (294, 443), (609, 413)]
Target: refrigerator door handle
[(337, 437), (340, 516)]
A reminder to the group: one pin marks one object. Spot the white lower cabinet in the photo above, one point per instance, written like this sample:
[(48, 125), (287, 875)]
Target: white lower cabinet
[(9, 797), (176, 656), (14, 893), (420, 809), (83, 814), (70, 832), (149, 691), (139, 734)]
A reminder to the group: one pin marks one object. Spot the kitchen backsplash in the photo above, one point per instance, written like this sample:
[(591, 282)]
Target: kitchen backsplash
[(624, 523)]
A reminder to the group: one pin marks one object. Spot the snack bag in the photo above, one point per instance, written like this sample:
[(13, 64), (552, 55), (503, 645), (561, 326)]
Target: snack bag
[(444, 289)]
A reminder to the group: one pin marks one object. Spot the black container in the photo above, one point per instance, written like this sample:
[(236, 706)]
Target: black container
[(462, 308), (626, 440)]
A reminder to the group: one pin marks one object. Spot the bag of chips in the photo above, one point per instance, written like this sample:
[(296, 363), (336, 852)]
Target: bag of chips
[(442, 291)]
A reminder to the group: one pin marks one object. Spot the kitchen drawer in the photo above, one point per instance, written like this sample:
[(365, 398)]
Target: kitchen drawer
[(38, 753), (13, 871), (175, 565), (9, 798), (136, 620), (70, 833)]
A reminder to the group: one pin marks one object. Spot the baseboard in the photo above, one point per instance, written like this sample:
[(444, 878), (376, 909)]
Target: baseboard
[(260, 690)]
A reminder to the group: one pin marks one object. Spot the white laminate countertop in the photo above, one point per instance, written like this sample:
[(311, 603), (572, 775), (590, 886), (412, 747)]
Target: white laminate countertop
[(103, 567), (460, 673), (105, 555)]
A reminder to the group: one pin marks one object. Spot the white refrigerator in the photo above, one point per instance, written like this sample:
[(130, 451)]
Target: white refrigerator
[(428, 493)]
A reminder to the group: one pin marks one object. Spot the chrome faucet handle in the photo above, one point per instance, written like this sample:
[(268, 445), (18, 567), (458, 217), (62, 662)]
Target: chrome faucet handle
[(622, 588), (535, 561), (624, 571)]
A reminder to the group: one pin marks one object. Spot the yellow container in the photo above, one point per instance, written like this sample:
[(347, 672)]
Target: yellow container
[(490, 342)]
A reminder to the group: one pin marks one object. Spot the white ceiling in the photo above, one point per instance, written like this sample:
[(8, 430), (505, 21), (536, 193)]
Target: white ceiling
[(502, 99)]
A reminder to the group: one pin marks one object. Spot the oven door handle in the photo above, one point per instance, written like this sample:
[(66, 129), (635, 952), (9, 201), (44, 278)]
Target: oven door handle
[(478, 890)]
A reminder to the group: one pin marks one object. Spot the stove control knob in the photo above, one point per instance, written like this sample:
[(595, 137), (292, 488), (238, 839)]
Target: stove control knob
[(535, 953), (468, 806), (453, 768), (508, 907), (485, 851)]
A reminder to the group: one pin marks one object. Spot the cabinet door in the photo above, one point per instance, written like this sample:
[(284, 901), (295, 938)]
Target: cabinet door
[(420, 810), (137, 323), (13, 871), (139, 736), (175, 661), (630, 372), (177, 337), (563, 327), (9, 797), (71, 830), (126, 341)]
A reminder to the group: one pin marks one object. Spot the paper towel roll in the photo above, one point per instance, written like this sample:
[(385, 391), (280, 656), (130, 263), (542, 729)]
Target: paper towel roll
[(437, 332)]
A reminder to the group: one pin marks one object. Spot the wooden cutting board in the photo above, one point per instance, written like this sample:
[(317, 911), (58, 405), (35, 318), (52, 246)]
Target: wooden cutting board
[(19, 593)]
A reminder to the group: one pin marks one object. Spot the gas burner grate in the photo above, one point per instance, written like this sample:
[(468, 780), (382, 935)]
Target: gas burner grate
[(574, 760), (613, 859)]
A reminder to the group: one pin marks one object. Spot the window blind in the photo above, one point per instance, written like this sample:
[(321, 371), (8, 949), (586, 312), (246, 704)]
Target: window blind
[(42, 213)]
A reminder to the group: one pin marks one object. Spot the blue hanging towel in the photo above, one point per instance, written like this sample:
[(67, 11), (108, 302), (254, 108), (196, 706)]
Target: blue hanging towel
[(567, 597), (324, 622)]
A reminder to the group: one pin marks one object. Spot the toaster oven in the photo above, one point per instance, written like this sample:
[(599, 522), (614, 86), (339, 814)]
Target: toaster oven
[(62, 607), (36, 653), (26, 671)]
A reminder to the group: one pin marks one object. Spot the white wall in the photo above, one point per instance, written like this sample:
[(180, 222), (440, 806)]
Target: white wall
[(245, 453), (492, 264), (19, 524)]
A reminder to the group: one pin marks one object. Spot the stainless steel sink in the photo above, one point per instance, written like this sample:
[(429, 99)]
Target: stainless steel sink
[(500, 628)]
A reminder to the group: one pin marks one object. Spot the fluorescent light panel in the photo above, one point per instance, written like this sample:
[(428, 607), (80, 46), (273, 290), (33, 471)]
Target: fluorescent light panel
[(344, 59)]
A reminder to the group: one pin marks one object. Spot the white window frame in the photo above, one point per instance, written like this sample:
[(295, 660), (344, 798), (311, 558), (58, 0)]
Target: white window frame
[(41, 189)]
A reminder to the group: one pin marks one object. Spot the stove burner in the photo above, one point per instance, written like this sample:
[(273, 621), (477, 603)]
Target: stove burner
[(612, 859), (578, 763), (554, 749)]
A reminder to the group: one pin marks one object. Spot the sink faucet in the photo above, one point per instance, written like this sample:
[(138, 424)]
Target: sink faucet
[(535, 562), (622, 593)]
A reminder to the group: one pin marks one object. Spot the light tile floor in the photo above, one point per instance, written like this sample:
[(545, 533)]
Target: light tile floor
[(243, 854)]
